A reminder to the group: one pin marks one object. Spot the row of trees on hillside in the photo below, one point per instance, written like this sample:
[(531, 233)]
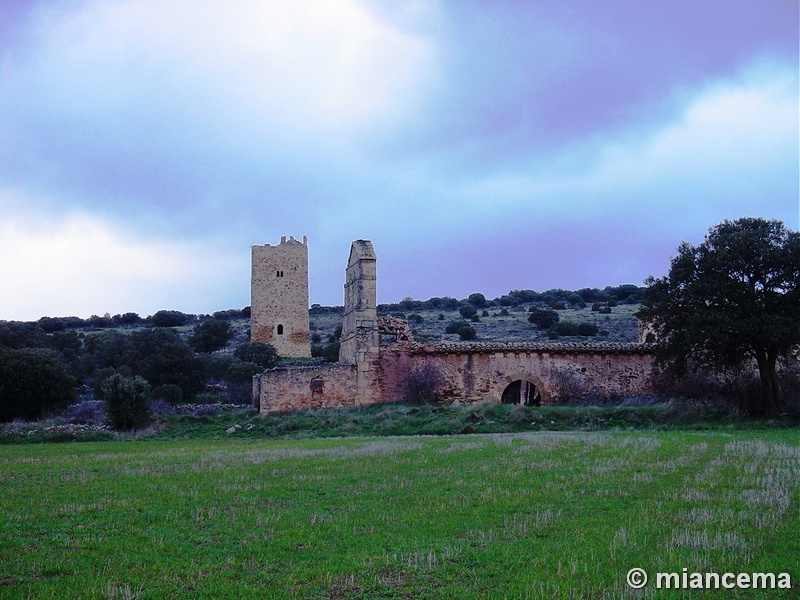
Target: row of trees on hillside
[(555, 298), (162, 318)]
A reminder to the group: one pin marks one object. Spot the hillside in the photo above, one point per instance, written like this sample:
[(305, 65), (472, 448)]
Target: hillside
[(492, 323)]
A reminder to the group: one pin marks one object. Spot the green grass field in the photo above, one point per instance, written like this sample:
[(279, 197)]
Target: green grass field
[(521, 515)]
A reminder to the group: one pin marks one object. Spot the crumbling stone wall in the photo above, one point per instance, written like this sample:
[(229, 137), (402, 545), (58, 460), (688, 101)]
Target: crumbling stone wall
[(315, 386), (476, 372), (279, 297), (473, 372)]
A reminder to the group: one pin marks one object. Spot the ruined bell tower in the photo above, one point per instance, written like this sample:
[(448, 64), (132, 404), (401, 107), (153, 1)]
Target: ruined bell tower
[(360, 341), (279, 297)]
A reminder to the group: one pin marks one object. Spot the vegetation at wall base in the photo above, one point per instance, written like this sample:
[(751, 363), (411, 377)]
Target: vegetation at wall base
[(226, 422)]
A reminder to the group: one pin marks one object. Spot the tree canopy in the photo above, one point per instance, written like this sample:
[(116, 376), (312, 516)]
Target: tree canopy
[(733, 299), (211, 335), (32, 382)]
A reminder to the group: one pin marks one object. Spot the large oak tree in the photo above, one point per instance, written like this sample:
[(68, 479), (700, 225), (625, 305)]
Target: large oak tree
[(731, 300)]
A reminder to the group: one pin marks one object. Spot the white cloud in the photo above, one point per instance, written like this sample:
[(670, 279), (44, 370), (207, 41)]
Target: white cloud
[(82, 265), (733, 141), (318, 64), (729, 131)]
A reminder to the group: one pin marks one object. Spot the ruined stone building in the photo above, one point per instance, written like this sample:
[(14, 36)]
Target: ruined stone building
[(279, 297), (377, 354)]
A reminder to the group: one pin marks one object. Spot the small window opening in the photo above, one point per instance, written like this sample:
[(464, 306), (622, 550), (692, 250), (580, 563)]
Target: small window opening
[(279, 273), (280, 329)]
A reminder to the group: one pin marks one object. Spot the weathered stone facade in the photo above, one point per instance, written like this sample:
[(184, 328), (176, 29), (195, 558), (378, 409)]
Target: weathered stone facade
[(483, 372), (370, 372), (315, 386), (279, 297)]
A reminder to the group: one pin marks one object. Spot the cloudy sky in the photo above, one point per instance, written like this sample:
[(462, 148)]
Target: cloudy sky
[(145, 145)]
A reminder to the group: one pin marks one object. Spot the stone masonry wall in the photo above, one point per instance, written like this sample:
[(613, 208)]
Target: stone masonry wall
[(279, 297), (316, 386), (481, 374)]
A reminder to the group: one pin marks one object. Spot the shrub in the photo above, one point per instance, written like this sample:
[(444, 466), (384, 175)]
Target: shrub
[(128, 401), (14, 334), (334, 337), (100, 322), (168, 392), (239, 378), (475, 319), (211, 335), (329, 352), (477, 300), (416, 318), (422, 384), (468, 311), (264, 355), (466, 333), (567, 387), (170, 318), (587, 329), (454, 326), (231, 313), (508, 300), (504, 312), (129, 318), (169, 363), (565, 328), (543, 318), (33, 381)]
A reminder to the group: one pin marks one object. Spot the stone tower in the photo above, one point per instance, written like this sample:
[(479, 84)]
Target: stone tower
[(279, 297), (360, 341)]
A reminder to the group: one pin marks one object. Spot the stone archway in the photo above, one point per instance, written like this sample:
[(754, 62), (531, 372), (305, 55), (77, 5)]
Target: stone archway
[(523, 392)]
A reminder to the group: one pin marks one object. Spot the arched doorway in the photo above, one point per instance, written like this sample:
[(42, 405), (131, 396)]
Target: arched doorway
[(522, 392)]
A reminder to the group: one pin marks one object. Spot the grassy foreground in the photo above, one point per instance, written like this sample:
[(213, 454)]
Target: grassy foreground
[(517, 515)]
